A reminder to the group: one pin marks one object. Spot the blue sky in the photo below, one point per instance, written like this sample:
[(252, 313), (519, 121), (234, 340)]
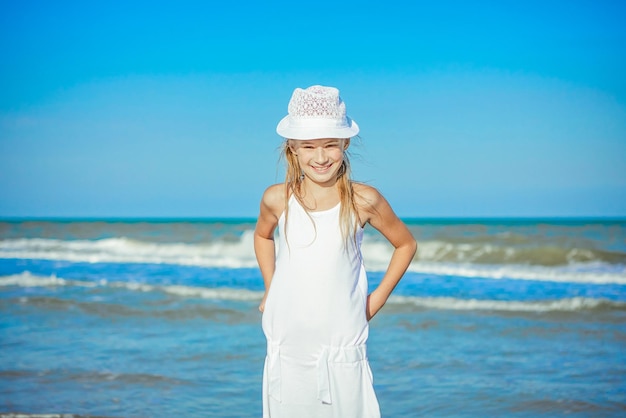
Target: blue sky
[(163, 109)]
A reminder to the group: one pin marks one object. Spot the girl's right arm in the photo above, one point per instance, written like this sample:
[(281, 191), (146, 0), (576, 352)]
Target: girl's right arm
[(272, 205)]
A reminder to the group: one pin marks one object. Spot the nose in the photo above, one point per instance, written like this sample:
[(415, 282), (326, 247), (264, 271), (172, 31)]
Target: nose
[(320, 155)]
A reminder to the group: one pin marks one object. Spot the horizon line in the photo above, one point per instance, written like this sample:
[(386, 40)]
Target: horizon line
[(121, 219)]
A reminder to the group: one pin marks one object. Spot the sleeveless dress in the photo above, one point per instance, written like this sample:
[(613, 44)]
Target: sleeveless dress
[(315, 322)]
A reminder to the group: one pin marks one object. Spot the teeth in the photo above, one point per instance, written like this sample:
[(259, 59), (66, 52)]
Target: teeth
[(323, 167)]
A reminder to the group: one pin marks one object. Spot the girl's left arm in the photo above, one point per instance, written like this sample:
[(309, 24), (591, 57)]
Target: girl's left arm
[(382, 217)]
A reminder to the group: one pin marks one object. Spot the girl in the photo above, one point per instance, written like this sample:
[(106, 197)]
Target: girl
[(316, 307)]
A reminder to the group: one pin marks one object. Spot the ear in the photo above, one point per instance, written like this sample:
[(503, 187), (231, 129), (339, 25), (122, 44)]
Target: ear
[(346, 143), (292, 146)]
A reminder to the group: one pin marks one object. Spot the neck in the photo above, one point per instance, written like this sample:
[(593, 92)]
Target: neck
[(318, 196), (315, 187)]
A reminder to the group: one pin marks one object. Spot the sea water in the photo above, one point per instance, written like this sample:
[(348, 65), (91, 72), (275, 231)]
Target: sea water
[(159, 318)]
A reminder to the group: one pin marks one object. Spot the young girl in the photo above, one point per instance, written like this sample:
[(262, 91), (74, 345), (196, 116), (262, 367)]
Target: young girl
[(316, 307)]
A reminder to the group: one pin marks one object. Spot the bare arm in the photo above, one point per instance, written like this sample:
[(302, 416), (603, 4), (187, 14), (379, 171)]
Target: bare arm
[(264, 248), (375, 210)]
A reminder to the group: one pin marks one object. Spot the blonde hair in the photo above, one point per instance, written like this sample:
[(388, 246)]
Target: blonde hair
[(348, 214)]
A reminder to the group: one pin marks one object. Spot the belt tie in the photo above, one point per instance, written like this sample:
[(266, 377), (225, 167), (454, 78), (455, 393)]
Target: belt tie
[(323, 378), (273, 371)]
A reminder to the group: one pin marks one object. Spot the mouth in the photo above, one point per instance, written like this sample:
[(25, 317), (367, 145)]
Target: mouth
[(321, 168)]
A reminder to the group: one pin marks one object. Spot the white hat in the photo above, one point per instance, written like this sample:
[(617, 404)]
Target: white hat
[(316, 112)]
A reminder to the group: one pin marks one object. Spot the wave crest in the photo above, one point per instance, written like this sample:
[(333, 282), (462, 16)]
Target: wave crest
[(557, 305), (435, 257), (27, 279), (575, 304)]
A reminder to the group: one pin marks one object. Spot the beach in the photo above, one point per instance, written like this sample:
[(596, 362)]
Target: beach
[(159, 318)]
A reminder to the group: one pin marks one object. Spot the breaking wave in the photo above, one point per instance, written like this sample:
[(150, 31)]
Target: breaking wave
[(482, 260), (27, 279), (574, 304), (556, 305)]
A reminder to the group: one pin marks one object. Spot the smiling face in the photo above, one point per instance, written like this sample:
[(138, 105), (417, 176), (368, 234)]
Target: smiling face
[(320, 159)]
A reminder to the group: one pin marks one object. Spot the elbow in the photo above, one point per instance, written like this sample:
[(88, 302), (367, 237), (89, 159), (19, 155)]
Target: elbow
[(414, 247), (260, 240), (409, 247)]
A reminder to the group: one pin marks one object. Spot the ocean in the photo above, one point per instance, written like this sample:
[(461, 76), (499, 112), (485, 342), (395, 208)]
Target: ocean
[(159, 318)]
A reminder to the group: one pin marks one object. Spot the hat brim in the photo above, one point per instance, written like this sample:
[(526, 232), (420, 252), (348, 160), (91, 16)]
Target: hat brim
[(287, 130)]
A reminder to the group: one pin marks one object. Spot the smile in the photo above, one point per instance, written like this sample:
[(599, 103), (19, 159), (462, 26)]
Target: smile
[(321, 169)]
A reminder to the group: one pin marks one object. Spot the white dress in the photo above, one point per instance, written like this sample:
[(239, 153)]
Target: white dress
[(315, 322)]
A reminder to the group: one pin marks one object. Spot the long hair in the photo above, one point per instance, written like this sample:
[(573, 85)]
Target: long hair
[(348, 214)]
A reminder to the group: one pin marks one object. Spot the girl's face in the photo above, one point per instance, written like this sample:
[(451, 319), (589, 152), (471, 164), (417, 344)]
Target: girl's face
[(320, 159)]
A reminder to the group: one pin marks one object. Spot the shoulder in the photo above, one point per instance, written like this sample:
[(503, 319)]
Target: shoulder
[(366, 196), (368, 201), (374, 209), (273, 199)]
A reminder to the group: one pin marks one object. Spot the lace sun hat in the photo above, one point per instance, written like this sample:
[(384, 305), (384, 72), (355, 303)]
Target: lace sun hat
[(316, 112)]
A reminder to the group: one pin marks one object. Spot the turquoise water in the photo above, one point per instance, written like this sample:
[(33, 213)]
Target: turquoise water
[(159, 318)]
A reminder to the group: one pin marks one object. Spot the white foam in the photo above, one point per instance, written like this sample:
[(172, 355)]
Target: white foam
[(240, 254), (559, 305), (27, 279), (431, 253), (192, 291), (577, 273)]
